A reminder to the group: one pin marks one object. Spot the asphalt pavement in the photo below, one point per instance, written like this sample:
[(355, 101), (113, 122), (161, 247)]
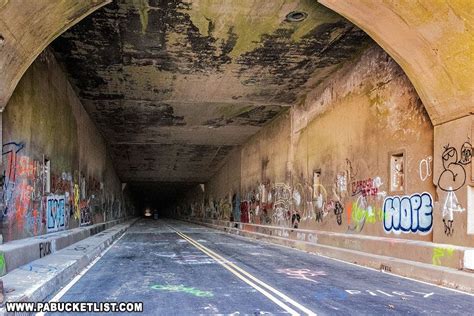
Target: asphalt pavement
[(177, 268)]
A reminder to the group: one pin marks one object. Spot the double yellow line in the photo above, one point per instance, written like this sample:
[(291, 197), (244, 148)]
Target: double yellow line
[(271, 293)]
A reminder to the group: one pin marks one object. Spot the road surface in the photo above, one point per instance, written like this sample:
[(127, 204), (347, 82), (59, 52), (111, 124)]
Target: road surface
[(177, 268)]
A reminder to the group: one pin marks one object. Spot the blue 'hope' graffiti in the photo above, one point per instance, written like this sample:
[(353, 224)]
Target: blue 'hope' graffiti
[(408, 213)]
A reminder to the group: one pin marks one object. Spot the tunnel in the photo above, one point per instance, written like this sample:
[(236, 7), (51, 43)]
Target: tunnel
[(214, 157)]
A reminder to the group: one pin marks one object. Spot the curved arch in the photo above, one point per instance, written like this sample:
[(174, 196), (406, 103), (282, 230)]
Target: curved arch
[(433, 42), (27, 28)]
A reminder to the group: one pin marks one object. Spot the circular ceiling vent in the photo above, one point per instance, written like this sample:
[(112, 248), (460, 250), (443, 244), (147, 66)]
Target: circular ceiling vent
[(296, 16)]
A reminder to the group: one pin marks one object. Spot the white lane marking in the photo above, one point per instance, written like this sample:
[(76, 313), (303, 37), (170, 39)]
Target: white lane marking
[(63, 291)]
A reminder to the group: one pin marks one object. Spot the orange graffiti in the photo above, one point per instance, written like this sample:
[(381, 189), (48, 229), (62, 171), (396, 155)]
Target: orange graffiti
[(22, 203), (349, 212)]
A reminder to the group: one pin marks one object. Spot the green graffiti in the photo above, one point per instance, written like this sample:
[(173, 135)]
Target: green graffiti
[(3, 265), (182, 288), (371, 215), (439, 253)]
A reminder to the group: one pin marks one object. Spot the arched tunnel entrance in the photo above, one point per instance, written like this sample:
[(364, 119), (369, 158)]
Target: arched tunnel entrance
[(338, 128)]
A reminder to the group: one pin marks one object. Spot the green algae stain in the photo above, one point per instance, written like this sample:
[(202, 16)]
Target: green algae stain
[(233, 111), (143, 7), (251, 21)]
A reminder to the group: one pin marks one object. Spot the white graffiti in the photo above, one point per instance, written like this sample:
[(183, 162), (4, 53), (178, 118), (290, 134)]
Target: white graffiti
[(451, 205), (386, 293), (408, 213), (424, 168), (302, 274)]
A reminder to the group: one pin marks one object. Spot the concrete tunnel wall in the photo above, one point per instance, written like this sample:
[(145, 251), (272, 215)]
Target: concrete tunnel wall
[(356, 157), (45, 121)]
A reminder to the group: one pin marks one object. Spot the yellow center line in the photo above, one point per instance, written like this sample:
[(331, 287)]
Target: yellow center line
[(248, 278)]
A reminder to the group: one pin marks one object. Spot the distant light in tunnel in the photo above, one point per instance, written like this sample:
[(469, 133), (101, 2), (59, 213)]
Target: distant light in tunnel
[(147, 212), (296, 16)]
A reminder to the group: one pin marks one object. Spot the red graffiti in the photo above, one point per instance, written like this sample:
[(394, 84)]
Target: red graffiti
[(22, 202), (364, 187), (26, 167), (244, 212)]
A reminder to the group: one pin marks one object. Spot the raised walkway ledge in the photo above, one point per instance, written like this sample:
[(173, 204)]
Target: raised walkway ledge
[(20, 252), (442, 264), (40, 279)]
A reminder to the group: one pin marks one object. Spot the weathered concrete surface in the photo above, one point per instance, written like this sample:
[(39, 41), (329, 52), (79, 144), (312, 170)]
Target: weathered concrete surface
[(433, 41), (434, 263), (347, 131), (175, 85), (27, 28), (19, 252), (45, 123), (183, 280), (41, 278)]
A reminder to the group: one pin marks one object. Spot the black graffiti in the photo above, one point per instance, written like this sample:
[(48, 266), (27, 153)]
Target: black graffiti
[(385, 268), (338, 210), (44, 249), (448, 227), (454, 175), (265, 218), (319, 215), (81, 248), (295, 220), (10, 150)]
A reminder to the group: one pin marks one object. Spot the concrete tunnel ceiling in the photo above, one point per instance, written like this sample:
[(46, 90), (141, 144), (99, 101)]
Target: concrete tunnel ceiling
[(175, 85)]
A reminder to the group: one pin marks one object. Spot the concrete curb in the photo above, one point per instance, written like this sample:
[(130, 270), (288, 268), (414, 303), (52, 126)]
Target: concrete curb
[(41, 278), (438, 275), (20, 252)]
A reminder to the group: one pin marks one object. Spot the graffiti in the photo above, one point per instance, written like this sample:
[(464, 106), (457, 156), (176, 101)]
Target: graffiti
[(295, 220), (424, 168), (361, 212), (451, 205), (61, 184), (236, 207), (194, 260), (281, 233), (309, 237), (188, 259), (39, 268), (282, 197), (367, 187), (244, 212), (408, 213), (338, 210), (183, 289), (385, 268), (86, 216), (82, 248), (454, 175), (341, 184), (224, 208), (302, 274), (56, 205), (9, 175), (396, 293), (3, 264), (448, 227), (44, 249), (439, 253), (319, 197)]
